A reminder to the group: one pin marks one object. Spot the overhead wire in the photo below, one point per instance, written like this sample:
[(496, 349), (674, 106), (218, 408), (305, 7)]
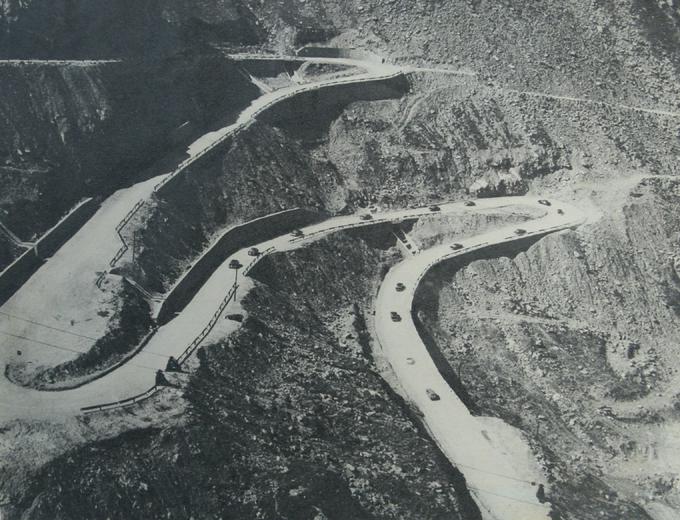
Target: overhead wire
[(65, 349)]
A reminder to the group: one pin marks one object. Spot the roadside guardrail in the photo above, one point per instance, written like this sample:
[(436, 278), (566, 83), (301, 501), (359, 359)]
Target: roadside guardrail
[(122, 403)]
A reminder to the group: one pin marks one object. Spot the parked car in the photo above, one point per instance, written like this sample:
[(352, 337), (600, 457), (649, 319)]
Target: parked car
[(560, 212), (373, 209), (410, 361), (434, 396), (470, 203), (395, 316), (544, 202), (400, 287), (366, 216), (253, 251), (456, 246), (435, 208), (520, 231), (297, 233)]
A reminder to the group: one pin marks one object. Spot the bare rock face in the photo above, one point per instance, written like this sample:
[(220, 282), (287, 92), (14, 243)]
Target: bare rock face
[(499, 184), (575, 339)]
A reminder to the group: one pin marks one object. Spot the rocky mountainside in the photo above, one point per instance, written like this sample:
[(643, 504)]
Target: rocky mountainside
[(575, 341), (440, 140), (118, 29), (604, 49), (73, 131)]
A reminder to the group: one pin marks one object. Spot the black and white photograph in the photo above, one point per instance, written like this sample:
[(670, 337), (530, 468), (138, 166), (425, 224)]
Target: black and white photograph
[(339, 259)]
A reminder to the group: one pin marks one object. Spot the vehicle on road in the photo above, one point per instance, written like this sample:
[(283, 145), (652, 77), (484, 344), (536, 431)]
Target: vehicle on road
[(400, 287), (253, 251), (544, 202), (434, 396), (297, 233), (520, 231), (410, 361), (435, 208), (366, 216), (470, 203), (456, 246), (373, 209), (560, 212), (395, 316)]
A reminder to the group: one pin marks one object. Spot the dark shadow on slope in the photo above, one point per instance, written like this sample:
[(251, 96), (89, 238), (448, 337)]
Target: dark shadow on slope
[(426, 300), (308, 115)]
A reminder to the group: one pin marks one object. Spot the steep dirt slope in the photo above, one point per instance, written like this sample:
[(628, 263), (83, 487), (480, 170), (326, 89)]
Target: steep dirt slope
[(8, 251), (119, 29), (70, 131), (575, 341), (451, 133)]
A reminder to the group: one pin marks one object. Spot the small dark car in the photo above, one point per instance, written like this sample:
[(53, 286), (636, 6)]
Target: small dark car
[(560, 212), (366, 216), (297, 233), (520, 231), (400, 287), (435, 208), (434, 396), (544, 202), (395, 316), (456, 246), (253, 251), (469, 203)]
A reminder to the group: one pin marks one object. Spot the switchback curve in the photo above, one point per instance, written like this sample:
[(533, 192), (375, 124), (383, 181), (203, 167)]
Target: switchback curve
[(496, 461)]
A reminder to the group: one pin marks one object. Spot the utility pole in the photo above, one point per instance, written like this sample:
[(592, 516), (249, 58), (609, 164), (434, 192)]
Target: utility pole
[(538, 423), (134, 244), (235, 265)]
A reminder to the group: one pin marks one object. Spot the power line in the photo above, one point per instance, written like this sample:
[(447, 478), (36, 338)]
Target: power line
[(47, 326), (66, 349), (68, 332), (505, 496), (493, 473)]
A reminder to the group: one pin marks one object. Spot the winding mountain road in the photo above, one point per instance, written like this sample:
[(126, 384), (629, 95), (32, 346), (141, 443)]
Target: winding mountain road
[(498, 465), (62, 294), (138, 374)]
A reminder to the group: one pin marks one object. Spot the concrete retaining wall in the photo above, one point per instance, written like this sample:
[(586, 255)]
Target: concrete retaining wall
[(238, 237), (323, 100), (16, 274), (270, 68), (315, 51), (19, 271)]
